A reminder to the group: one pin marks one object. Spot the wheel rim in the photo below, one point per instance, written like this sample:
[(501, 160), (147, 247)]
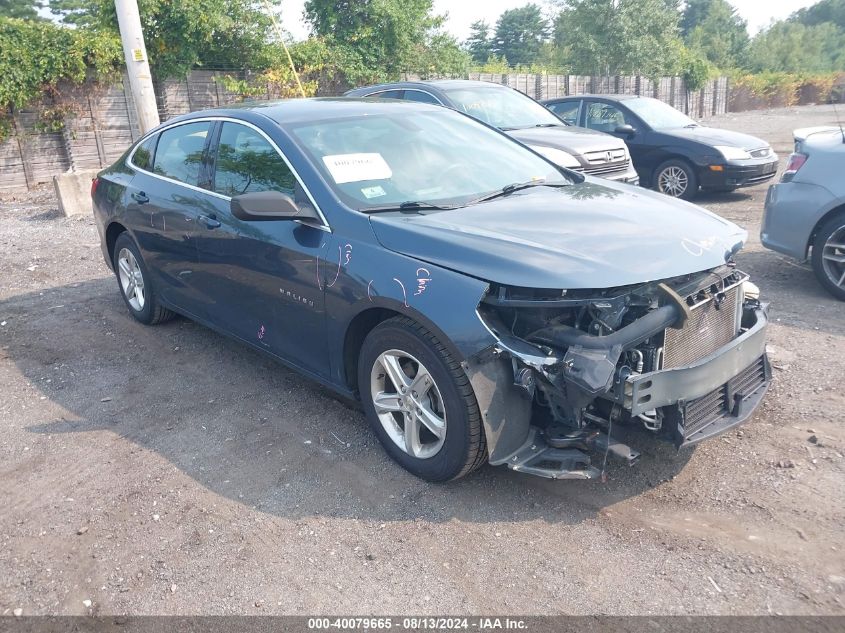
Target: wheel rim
[(673, 181), (131, 279), (833, 257), (408, 404)]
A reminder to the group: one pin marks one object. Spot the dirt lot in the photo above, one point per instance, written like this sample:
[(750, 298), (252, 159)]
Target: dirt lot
[(169, 470)]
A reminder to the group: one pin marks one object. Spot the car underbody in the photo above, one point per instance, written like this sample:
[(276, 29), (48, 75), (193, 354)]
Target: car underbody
[(681, 359)]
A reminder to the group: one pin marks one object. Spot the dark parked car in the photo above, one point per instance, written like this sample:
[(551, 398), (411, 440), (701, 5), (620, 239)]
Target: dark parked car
[(522, 118), (805, 211), (483, 304), (671, 152)]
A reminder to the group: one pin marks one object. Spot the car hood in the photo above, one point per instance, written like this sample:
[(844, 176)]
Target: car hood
[(575, 140), (585, 235), (716, 136)]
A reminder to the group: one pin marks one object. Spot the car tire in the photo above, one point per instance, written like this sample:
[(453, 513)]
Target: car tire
[(828, 247), (133, 279), (676, 178), (446, 440)]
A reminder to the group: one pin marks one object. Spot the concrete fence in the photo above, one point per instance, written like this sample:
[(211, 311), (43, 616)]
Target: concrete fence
[(100, 121)]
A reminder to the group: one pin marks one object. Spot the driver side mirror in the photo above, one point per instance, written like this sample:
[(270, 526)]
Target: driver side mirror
[(627, 130), (271, 205)]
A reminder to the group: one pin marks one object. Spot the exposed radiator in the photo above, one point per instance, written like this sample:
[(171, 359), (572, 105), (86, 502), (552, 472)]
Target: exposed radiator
[(709, 327)]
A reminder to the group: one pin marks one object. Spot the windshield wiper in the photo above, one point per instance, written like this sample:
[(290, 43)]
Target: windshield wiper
[(550, 125), (514, 187), (693, 125), (410, 205)]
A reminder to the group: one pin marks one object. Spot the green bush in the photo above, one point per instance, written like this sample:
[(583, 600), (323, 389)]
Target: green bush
[(35, 56)]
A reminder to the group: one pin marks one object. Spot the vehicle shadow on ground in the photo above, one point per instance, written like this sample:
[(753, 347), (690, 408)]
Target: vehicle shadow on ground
[(721, 197), (248, 429)]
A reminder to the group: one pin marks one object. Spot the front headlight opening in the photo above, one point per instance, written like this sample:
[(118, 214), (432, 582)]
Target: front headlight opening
[(733, 153)]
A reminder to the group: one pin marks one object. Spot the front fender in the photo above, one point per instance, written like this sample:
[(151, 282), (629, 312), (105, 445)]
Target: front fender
[(358, 277)]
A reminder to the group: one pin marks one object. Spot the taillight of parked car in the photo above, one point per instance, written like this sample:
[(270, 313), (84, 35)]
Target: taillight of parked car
[(94, 183), (796, 161)]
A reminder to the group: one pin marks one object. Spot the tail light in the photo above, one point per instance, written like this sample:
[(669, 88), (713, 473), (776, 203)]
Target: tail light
[(94, 183), (796, 161)]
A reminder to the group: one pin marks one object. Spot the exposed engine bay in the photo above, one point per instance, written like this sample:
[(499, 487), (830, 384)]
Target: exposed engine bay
[(681, 359)]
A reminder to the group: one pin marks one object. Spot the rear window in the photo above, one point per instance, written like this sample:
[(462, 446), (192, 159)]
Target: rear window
[(179, 152), (143, 156)]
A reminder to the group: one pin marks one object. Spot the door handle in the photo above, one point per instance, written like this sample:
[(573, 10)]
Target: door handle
[(209, 221), (140, 197)]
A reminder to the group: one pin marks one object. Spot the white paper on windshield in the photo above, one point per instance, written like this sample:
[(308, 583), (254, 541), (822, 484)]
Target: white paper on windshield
[(357, 167)]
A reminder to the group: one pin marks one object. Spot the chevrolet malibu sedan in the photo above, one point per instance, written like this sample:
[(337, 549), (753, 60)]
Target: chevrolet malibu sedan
[(483, 304), (671, 152)]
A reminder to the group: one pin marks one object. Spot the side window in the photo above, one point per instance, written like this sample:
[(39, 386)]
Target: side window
[(387, 94), (143, 156), (604, 117), (179, 152), (246, 163), (421, 96), (568, 111)]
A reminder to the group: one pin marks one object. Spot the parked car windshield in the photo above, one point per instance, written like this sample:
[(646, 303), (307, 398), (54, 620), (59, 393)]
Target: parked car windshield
[(657, 114), (435, 157), (502, 108)]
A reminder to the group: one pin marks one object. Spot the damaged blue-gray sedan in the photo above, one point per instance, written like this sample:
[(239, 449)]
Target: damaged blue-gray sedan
[(482, 303)]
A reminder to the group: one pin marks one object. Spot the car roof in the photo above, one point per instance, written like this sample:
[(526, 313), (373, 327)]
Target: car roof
[(440, 84), (285, 111), (609, 97)]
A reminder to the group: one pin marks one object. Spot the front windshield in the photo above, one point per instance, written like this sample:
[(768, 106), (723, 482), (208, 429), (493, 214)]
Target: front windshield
[(657, 114), (502, 108), (406, 155)]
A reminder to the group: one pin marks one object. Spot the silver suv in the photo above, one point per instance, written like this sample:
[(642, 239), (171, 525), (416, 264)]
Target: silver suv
[(805, 211)]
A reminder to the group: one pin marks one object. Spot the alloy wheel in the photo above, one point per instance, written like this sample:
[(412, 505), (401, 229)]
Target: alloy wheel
[(131, 279), (833, 257), (673, 181), (408, 403)]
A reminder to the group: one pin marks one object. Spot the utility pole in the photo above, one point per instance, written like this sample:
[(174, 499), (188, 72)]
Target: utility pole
[(137, 66)]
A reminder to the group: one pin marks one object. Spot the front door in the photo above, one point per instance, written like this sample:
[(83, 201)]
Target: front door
[(606, 117), (258, 280)]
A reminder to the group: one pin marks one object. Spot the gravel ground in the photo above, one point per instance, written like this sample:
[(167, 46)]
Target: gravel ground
[(168, 470)]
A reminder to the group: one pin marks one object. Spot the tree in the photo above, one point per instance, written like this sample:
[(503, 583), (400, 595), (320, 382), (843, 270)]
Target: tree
[(789, 46), (714, 28), (520, 34), (376, 40), (183, 34), (619, 36), (823, 11), (478, 44), (23, 9)]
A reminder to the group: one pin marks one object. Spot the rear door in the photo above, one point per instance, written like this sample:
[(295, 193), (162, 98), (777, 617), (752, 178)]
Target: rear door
[(167, 197), (258, 280)]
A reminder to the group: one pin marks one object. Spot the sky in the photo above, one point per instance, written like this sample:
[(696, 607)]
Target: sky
[(462, 13)]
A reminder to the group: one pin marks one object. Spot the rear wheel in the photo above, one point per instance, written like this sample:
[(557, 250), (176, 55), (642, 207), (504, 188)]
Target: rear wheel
[(676, 178), (133, 279), (829, 256), (419, 402)]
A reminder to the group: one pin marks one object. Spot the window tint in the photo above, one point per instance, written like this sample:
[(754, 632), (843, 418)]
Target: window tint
[(143, 156), (568, 111), (604, 117), (387, 94), (419, 95), (179, 152), (246, 162)]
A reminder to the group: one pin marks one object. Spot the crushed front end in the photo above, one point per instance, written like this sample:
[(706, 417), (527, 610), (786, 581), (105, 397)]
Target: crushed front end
[(682, 359)]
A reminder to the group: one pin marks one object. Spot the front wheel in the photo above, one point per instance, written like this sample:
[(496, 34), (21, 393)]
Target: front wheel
[(829, 256), (676, 178), (419, 402)]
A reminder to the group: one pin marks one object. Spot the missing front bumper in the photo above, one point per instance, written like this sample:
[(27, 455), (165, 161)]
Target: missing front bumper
[(700, 400)]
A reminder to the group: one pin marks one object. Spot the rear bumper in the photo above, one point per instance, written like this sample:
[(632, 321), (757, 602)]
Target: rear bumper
[(792, 210), (736, 174)]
